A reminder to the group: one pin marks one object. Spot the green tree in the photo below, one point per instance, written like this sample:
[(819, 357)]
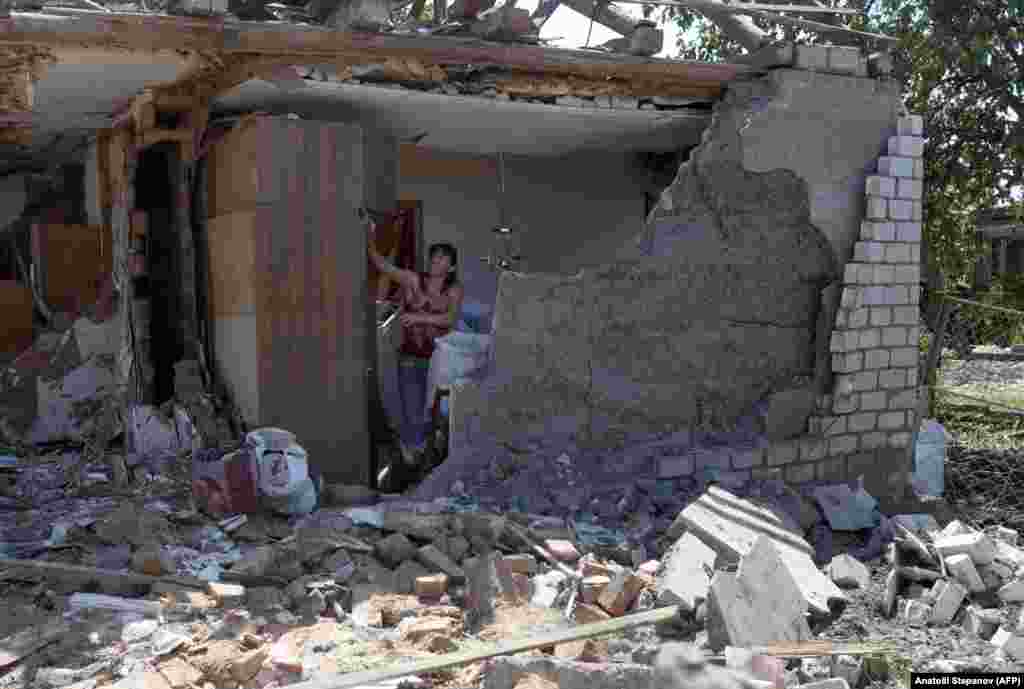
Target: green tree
[(960, 64)]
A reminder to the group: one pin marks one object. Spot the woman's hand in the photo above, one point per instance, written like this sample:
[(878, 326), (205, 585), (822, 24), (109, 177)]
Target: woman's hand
[(408, 319)]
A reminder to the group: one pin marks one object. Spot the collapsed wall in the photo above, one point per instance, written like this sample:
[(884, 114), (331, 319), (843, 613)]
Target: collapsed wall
[(705, 350)]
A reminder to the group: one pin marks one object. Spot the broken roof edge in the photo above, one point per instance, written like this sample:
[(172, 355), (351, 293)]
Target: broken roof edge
[(302, 43)]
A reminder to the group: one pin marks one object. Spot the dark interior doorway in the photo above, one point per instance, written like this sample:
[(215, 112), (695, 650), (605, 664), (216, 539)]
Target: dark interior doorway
[(161, 283)]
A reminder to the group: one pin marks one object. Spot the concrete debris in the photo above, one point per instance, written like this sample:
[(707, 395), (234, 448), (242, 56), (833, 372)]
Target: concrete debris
[(947, 597), (1009, 643), (961, 568), (981, 622), (846, 509), (978, 546), (686, 576), (848, 572)]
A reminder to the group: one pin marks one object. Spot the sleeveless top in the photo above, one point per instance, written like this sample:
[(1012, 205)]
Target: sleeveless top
[(418, 339)]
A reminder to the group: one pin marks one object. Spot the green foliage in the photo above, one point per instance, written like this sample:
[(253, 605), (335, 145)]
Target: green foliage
[(961, 65)]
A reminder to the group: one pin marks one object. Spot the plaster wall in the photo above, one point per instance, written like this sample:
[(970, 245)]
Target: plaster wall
[(571, 211), (704, 349)]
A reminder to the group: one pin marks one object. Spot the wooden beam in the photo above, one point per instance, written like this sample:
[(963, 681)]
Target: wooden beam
[(304, 44)]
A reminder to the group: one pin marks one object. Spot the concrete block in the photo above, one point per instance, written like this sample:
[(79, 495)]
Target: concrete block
[(908, 231), (868, 252), (904, 400), (905, 315), (842, 445), (901, 209), (811, 57), (876, 358), (1007, 536), (892, 166), (847, 363), (906, 146), (978, 546), (910, 189), (851, 298), (891, 421), (748, 458), (947, 597), (1012, 592), (858, 318), (646, 41), (1008, 554), (899, 441), (736, 618), (980, 622), (910, 125), (955, 528), (865, 380), (876, 185), (848, 572), (847, 60), (436, 561), (872, 296), (1009, 643), (684, 578), (846, 404), (914, 612), (906, 356), (995, 575), (878, 208), (432, 586), (962, 569), (919, 169), (782, 453), (911, 377), (897, 295), (883, 275), (870, 338), (881, 315), (501, 22), (796, 474), (915, 253), (877, 231), (873, 441), (813, 449)]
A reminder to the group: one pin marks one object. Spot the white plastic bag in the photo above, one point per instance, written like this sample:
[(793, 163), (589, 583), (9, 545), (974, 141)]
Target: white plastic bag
[(283, 465), (456, 356), (930, 458)]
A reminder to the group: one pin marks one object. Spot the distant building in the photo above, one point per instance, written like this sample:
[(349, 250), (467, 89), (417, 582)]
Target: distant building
[(1002, 233)]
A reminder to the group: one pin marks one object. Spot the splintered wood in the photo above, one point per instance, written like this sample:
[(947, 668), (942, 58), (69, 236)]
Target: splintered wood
[(20, 67)]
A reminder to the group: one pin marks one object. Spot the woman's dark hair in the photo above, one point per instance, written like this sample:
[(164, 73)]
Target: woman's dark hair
[(453, 257)]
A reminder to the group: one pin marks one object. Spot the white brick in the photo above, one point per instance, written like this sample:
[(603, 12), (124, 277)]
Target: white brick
[(851, 298), (916, 211), (913, 334), (914, 294), (910, 125), (908, 231), (874, 296), (962, 569), (837, 344), (1012, 592), (869, 339), (851, 273), (859, 423), (878, 208), (906, 146), (901, 209), (904, 400), (906, 356), (877, 185), (871, 231), (833, 425), (1009, 643), (896, 296), (872, 401), (912, 376), (847, 363), (919, 169), (905, 315), (948, 598), (868, 252), (897, 253), (891, 420), (899, 440), (978, 546), (907, 275), (813, 449), (846, 404), (881, 315), (891, 166), (865, 380), (915, 253), (909, 189), (876, 358), (842, 445), (873, 441), (883, 275), (894, 337), (892, 379), (858, 318)]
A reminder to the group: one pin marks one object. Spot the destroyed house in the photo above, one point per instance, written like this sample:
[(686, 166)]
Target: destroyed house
[(715, 270)]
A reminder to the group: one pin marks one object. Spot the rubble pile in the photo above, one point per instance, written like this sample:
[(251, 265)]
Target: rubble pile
[(958, 575)]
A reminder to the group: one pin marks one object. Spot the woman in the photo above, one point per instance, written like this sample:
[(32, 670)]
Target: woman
[(431, 303)]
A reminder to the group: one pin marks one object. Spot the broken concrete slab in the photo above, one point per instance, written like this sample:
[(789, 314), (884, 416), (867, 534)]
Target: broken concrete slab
[(684, 666), (1012, 592), (961, 568), (980, 622), (685, 578), (978, 546), (914, 612), (435, 560), (732, 526), (995, 575), (849, 572), (788, 411), (394, 550), (760, 604), (508, 672), (1009, 643), (847, 509)]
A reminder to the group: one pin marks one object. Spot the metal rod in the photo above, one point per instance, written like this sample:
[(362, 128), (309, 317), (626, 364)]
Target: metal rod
[(803, 9), (970, 302)]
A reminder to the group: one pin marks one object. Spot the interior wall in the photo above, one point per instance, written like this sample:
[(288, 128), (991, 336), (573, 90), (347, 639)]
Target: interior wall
[(571, 211)]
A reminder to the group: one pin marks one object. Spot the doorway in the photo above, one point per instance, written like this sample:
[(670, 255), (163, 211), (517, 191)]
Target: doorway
[(158, 291)]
